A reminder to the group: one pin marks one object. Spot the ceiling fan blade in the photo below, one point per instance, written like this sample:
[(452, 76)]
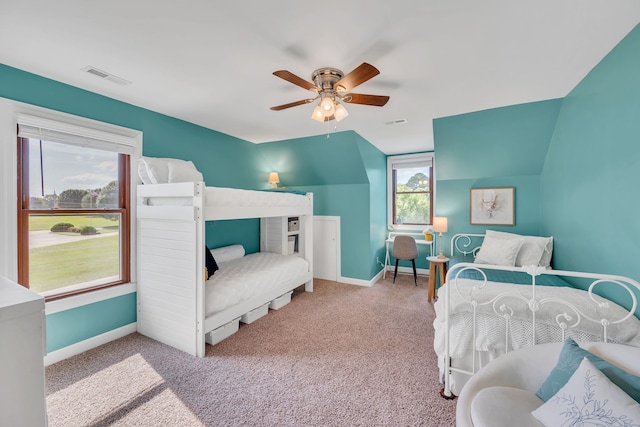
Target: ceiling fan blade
[(293, 104), (359, 98), (358, 76), (298, 81)]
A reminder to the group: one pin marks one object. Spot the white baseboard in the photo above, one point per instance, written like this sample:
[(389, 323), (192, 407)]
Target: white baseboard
[(88, 344), (360, 282), (369, 283), (408, 270)]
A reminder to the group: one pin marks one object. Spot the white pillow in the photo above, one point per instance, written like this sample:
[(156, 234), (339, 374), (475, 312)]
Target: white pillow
[(142, 172), (589, 396), (227, 253), (164, 170), (535, 250), (184, 172), (545, 261), (498, 251), (157, 169)]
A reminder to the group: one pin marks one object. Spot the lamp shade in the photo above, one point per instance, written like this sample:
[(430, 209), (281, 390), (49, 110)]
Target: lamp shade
[(317, 114), (340, 112), (440, 224), (274, 178)]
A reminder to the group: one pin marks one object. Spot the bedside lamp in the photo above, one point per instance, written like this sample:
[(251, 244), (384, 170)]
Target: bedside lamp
[(440, 226), (274, 179)]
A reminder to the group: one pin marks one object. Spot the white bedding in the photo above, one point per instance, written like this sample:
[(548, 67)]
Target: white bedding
[(491, 329), (222, 196), (248, 276)]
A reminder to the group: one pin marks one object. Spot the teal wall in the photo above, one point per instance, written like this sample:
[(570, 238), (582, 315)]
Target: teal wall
[(71, 326), (501, 147), (591, 178), (375, 164), (347, 176)]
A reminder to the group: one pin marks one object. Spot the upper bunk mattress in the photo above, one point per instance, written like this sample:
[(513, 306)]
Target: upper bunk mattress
[(251, 275), (223, 196)]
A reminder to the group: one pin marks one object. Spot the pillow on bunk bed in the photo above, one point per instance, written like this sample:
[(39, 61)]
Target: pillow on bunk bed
[(184, 172), (498, 251), (142, 172), (535, 250), (164, 170), (211, 266), (228, 253)]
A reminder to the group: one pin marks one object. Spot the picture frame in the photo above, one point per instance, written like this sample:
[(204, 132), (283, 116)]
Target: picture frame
[(492, 206)]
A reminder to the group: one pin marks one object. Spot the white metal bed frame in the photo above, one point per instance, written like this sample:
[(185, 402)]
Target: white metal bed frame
[(570, 318), (171, 295)]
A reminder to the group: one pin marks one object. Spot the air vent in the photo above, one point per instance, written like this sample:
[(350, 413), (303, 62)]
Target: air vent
[(397, 122), (104, 75)]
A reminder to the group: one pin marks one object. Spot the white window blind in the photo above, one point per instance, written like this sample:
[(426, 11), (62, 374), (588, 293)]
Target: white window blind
[(413, 163), (57, 131)]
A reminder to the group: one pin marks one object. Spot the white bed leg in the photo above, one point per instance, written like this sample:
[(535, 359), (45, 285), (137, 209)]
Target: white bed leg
[(308, 286)]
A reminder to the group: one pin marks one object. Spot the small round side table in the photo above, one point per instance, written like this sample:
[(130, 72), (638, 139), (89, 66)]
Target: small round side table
[(434, 263)]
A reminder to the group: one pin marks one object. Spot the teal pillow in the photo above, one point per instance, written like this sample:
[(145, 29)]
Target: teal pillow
[(570, 357)]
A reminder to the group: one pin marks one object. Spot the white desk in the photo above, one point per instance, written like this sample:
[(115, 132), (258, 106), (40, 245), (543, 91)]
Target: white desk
[(419, 238)]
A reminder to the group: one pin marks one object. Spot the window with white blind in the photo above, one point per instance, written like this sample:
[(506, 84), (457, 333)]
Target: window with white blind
[(74, 205), (410, 190)]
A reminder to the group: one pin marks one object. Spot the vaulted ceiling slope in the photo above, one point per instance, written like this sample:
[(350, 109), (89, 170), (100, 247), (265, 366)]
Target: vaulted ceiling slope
[(211, 63)]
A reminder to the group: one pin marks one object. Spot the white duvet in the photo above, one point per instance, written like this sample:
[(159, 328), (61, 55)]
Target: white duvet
[(497, 299), (223, 196), (249, 276)]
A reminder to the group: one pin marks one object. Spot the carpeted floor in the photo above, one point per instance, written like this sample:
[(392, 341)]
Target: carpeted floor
[(343, 355)]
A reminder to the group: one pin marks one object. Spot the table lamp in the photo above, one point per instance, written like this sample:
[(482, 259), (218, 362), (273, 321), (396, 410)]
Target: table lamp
[(274, 179), (440, 226)]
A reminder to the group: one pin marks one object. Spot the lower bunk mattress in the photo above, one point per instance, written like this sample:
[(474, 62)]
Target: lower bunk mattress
[(249, 276)]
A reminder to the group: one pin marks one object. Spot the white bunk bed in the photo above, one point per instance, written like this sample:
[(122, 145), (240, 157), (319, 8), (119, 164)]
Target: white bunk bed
[(481, 313), (171, 257)]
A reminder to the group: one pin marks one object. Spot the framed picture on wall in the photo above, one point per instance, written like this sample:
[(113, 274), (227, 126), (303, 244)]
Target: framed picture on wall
[(492, 206)]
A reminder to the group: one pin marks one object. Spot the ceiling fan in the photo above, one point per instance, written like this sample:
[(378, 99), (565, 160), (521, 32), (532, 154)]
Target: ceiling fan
[(331, 86)]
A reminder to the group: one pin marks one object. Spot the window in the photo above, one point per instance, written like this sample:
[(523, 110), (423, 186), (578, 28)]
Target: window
[(74, 207), (410, 192)]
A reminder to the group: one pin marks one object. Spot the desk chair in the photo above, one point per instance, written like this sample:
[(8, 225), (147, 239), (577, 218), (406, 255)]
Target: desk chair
[(405, 248)]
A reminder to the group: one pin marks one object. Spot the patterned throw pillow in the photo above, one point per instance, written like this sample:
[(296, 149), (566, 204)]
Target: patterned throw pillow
[(570, 357), (589, 398)]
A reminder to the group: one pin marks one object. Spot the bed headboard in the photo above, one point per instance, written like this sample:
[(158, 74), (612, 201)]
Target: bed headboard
[(463, 244)]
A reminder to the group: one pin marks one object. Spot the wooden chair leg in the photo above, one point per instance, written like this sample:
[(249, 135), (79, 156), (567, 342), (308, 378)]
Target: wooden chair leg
[(395, 272), (415, 275)]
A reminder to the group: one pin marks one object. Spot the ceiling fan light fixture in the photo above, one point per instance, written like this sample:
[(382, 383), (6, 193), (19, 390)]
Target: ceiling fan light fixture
[(317, 114), (340, 112), (328, 106), (331, 84)]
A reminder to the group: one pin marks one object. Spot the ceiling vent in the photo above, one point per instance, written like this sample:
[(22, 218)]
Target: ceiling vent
[(104, 75), (397, 122)]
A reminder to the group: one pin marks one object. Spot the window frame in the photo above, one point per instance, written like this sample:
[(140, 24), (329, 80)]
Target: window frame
[(126, 142), (391, 188)]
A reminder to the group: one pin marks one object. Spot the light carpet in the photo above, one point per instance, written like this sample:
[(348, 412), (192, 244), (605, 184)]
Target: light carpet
[(343, 355)]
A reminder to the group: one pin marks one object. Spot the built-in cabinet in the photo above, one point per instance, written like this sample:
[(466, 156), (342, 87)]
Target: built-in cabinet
[(22, 350), (282, 235)]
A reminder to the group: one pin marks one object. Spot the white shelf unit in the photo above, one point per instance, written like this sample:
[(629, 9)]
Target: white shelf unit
[(277, 232)]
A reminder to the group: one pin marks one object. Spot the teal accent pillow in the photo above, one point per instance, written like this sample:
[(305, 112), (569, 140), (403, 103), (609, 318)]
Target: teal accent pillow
[(570, 358)]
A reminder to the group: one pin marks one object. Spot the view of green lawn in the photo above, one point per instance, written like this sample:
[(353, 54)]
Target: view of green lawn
[(69, 263), (66, 264), (45, 222)]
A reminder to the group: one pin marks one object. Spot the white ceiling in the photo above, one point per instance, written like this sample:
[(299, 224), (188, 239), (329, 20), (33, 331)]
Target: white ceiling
[(211, 62)]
